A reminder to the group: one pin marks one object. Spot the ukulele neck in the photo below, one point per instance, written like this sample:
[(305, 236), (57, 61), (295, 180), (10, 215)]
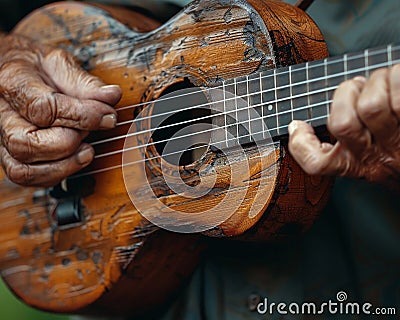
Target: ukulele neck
[(299, 92)]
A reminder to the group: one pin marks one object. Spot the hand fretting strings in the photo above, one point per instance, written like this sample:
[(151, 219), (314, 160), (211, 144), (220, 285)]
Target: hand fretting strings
[(342, 69)]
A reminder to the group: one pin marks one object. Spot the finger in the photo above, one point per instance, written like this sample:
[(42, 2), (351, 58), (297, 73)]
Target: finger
[(41, 105), (72, 80), (45, 174), (344, 122), (27, 144), (394, 88), (87, 115), (314, 157), (373, 108), (42, 145)]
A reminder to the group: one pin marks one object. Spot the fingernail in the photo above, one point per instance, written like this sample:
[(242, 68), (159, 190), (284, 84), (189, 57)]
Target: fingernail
[(110, 86), (292, 127), (108, 121), (85, 156)]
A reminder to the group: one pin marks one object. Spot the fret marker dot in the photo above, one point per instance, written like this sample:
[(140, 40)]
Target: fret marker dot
[(270, 107)]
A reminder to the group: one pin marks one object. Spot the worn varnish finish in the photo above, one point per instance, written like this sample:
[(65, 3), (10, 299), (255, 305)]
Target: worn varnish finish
[(115, 261)]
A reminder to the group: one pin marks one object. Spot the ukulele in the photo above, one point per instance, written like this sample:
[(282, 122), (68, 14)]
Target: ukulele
[(97, 242)]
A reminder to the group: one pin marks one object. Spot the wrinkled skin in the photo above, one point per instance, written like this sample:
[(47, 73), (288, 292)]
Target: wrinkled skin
[(48, 105), (364, 119)]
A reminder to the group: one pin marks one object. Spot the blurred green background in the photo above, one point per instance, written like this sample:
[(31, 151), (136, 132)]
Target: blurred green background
[(13, 309)]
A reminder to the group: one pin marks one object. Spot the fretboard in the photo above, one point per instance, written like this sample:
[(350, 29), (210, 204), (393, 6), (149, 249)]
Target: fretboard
[(299, 92)]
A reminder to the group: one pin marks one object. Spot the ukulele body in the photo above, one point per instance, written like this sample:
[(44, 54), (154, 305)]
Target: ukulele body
[(113, 260)]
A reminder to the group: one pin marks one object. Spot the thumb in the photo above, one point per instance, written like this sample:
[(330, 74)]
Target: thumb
[(70, 79), (315, 157)]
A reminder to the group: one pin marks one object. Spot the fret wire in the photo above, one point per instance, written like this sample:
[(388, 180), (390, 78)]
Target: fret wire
[(308, 84), (248, 103), (345, 67), (326, 84), (396, 55), (236, 111), (366, 62), (389, 53), (291, 91), (276, 103), (262, 106), (225, 113)]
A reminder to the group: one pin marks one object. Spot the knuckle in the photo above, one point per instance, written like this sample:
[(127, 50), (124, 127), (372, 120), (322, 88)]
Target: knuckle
[(42, 110), (396, 105), (11, 66), (371, 108), (396, 68), (395, 90), (8, 68), (9, 89), (352, 85), (34, 103), (59, 60), (88, 115), (20, 174), (381, 72), (89, 80), (87, 123), (58, 54), (19, 149), (343, 127)]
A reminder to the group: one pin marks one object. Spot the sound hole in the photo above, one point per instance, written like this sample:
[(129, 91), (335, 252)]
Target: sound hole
[(182, 123)]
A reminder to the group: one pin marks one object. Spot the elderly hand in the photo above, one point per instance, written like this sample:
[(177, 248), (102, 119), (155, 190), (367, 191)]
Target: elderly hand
[(365, 116), (48, 104)]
